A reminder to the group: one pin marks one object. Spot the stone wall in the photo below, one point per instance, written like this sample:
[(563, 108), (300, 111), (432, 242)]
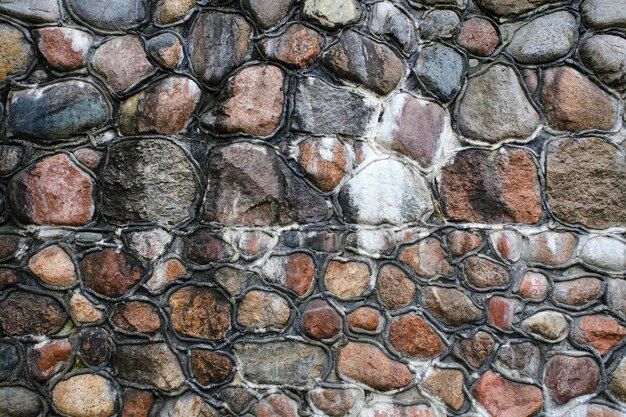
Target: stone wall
[(312, 208)]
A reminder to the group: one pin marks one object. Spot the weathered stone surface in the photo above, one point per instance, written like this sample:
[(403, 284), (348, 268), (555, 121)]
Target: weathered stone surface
[(572, 102), (331, 14), (513, 7), (11, 156), (494, 107), (53, 266), (168, 12), (617, 386), (461, 242), (88, 157), (402, 194), (111, 273), (365, 318), (148, 243), (166, 49), (20, 402), (602, 14), (84, 311), (605, 55), (86, 395), (187, 405), (347, 280), (205, 247), (534, 286), (501, 312), (616, 296), (508, 244), (10, 360), (385, 409), (268, 13), (568, 377), (294, 272), (394, 287), (17, 54), (136, 403), (324, 161), (519, 360), (137, 316), (578, 292), (252, 102), (210, 367), (450, 306), (159, 182), (320, 320), (504, 398), (439, 24), (427, 258), (447, 384), (276, 405), (151, 364), (219, 43), (297, 46), (48, 358), (413, 336), (483, 273), (164, 273), (475, 350), (583, 181), (369, 365), (65, 49), (389, 21), (605, 253), (59, 110), (114, 16), (299, 363), (35, 11), (478, 36), (350, 114), (441, 69), (550, 248), (200, 312), (335, 402), (93, 345), (23, 313), (602, 332), (262, 310), (549, 326)]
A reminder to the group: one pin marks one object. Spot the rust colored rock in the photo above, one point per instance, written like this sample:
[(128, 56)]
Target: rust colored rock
[(324, 161), (200, 312), (365, 318), (450, 306), (602, 332), (369, 365), (501, 312), (394, 287), (578, 292), (573, 103), (165, 273), (475, 350), (88, 157), (65, 49), (210, 367), (205, 247), (461, 242), (53, 191), (53, 266), (136, 403), (447, 384), (49, 357), (298, 46), (294, 272), (23, 313), (534, 286), (261, 310), (334, 402), (484, 273), (504, 398), (320, 320), (427, 258), (111, 273), (413, 336), (252, 102), (551, 248), (276, 405), (568, 377), (491, 187), (167, 50), (478, 36), (347, 280), (508, 244), (137, 316)]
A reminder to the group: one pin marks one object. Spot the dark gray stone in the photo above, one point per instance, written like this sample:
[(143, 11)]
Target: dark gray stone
[(605, 55), (19, 402), (10, 158), (268, 12), (519, 360), (151, 364), (34, 11), (9, 360), (439, 24), (112, 15), (441, 69), (390, 22)]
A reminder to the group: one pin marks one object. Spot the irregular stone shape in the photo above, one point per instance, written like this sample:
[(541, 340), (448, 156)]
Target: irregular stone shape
[(23, 313), (605, 55), (286, 362), (204, 248), (484, 273), (252, 102), (268, 13), (53, 266), (494, 107), (385, 191), (320, 320), (85, 395), (148, 243), (237, 398), (475, 350), (137, 316), (461, 242), (550, 248), (164, 273), (369, 365), (168, 12), (332, 14), (166, 49), (335, 402), (94, 345), (508, 244), (123, 49), (544, 39), (294, 272), (114, 16), (188, 405), (439, 24), (394, 287), (427, 258), (504, 398), (447, 384), (616, 296), (238, 195), (11, 156), (298, 46), (603, 14), (501, 312), (347, 280), (578, 292), (324, 161), (136, 403), (262, 310), (573, 103), (441, 69), (219, 43), (413, 336), (365, 318), (605, 253), (450, 306), (385, 409), (65, 49), (413, 127), (111, 273), (17, 54), (519, 360), (617, 386), (159, 182), (506, 8), (390, 22), (209, 367), (276, 405), (34, 11), (152, 364), (47, 358), (364, 62), (595, 410), (549, 326), (534, 286), (164, 107), (88, 157), (20, 402), (602, 332), (478, 36), (234, 280), (9, 245), (350, 114), (491, 187), (568, 377), (10, 359), (8, 278), (200, 312)]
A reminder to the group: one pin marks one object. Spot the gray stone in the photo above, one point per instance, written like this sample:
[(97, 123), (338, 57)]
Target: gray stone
[(605, 55), (10, 158), (112, 15), (441, 69), (385, 191), (34, 11), (188, 405), (332, 14), (605, 253), (616, 296), (323, 109), (450, 306), (544, 39), (287, 362), (148, 179), (456, 3), (9, 360), (219, 43), (603, 14), (390, 22), (268, 12), (19, 402), (513, 7), (17, 54), (57, 111), (547, 326), (439, 24), (519, 360), (494, 107), (151, 364)]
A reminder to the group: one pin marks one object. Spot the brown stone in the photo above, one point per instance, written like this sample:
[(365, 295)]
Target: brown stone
[(568, 377), (508, 244), (53, 191), (483, 273), (165, 273), (602, 332), (369, 365), (152, 364), (85, 395), (83, 311), (365, 318), (550, 248), (168, 12), (394, 287), (504, 398), (88, 157), (136, 403), (450, 306), (573, 103), (427, 258), (413, 336), (320, 320), (48, 358), (167, 50), (324, 161), (578, 292), (618, 381), (205, 247), (534, 286), (200, 312), (276, 405), (16, 52), (491, 187), (9, 244), (23, 313), (297, 46), (237, 398), (53, 266), (252, 102), (111, 273), (347, 280), (475, 350), (64, 49), (261, 310), (334, 402), (461, 242), (94, 345), (501, 312), (137, 316), (210, 367), (8, 278), (478, 36), (447, 384), (294, 272)]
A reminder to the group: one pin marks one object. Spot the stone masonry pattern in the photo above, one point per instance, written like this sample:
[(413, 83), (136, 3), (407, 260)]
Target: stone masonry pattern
[(283, 208)]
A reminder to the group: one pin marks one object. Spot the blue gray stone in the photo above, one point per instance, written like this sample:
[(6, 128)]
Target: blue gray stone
[(441, 69)]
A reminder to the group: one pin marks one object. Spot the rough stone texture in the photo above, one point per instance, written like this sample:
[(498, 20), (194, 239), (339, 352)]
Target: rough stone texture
[(114, 16), (618, 381), (36, 11), (53, 266), (136, 403), (519, 360), (365, 318), (391, 22), (550, 248), (447, 384), (20, 402), (549, 326), (267, 14), (297, 46), (324, 161), (439, 24), (276, 405), (17, 53), (578, 292), (65, 49), (166, 49), (200, 312), (602, 332), (46, 359), (513, 7), (601, 14), (171, 11), (85, 395), (450, 306), (332, 14), (347, 280), (483, 273), (568, 377), (149, 364), (441, 69), (24, 313), (427, 258), (475, 350), (369, 365), (501, 397), (394, 287), (260, 310), (334, 402), (478, 36), (412, 336), (137, 316), (294, 272), (320, 320), (605, 55), (209, 367), (111, 273), (605, 253)]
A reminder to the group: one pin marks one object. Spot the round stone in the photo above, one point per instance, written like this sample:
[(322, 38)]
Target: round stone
[(568, 377), (85, 395), (320, 320), (111, 273), (114, 16), (347, 280), (478, 36), (53, 266), (394, 287)]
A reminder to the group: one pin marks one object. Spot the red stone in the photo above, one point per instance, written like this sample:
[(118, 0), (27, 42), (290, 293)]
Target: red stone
[(324, 161), (334, 402), (568, 377), (276, 405), (461, 242), (320, 320), (137, 316), (427, 258), (298, 46), (501, 312), (136, 403), (204, 248), (478, 36), (64, 49), (599, 331), (200, 312), (365, 318), (504, 398), (111, 273), (210, 367), (48, 358), (413, 336)]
